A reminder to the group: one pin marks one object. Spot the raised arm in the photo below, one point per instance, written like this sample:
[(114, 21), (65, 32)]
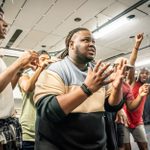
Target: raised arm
[(26, 83), (7, 75), (133, 57), (143, 91)]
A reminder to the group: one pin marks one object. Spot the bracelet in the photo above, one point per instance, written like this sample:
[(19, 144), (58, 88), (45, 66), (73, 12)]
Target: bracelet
[(86, 90), (136, 48)]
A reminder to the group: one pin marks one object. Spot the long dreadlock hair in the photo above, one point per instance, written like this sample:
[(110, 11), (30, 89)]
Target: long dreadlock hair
[(1, 10), (67, 41), (1, 5)]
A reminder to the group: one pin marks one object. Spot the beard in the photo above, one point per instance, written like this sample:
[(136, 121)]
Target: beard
[(82, 57)]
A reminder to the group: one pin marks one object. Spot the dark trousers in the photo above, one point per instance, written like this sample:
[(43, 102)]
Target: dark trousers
[(28, 145), (111, 132)]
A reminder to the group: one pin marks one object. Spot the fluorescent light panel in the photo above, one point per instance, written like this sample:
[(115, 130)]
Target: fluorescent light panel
[(10, 52), (142, 63), (110, 27)]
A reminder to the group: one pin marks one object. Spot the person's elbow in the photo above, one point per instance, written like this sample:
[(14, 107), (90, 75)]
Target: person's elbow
[(48, 108)]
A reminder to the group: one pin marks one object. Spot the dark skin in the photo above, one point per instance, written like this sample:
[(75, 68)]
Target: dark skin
[(82, 50)]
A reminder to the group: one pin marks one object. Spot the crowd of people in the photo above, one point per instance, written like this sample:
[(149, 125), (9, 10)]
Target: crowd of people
[(76, 103)]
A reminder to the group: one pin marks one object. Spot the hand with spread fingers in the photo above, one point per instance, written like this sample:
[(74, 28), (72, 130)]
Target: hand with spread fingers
[(96, 78), (119, 74)]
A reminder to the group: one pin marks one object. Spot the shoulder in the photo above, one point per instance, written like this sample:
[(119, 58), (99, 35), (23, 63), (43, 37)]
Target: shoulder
[(60, 67)]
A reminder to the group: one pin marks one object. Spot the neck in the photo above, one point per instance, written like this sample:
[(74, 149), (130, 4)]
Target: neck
[(79, 64)]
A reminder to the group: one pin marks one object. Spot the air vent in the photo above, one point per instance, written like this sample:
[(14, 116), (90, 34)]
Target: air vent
[(13, 38)]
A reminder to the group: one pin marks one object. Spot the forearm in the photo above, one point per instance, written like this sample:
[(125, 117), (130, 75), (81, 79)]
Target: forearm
[(115, 96), (15, 79), (134, 103), (30, 85), (70, 101), (134, 53), (7, 75)]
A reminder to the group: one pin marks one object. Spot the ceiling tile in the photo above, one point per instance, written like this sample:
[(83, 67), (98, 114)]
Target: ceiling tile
[(59, 12), (32, 39), (32, 12)]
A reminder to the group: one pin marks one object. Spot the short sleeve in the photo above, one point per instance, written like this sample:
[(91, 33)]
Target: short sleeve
[(49, 82), (127, 92)]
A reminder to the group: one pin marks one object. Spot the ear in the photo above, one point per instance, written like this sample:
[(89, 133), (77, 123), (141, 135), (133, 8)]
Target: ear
[(71, 45)]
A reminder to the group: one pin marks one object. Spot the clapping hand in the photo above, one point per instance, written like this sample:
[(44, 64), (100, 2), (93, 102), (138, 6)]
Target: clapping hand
[(29, 59), (144, 89), (119, 74), (96, 77)]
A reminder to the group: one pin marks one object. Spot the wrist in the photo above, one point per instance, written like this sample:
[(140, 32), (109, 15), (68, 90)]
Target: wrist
[(136, 48), (140, 95), (41, 67), (116, 87), (86, 90)]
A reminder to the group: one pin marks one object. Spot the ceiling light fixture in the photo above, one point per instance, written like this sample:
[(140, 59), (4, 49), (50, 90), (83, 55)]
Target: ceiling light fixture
[(142, 63), (114, 19), (132, 36), (110, 27), (78, 19), (11, 52), (43, 46), (131, 17)]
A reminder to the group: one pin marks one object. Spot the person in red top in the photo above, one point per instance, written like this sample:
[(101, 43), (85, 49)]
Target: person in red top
[(136, 116), (115, 139), (136, 125)]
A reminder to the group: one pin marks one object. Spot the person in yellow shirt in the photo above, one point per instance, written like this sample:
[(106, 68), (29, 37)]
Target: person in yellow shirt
[(28, 114)]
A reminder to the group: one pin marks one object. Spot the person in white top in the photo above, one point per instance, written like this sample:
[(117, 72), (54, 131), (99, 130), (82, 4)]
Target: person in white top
[(10, 129)]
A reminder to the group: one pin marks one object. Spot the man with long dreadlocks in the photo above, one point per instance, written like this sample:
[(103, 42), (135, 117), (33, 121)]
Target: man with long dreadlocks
[(70, 97)]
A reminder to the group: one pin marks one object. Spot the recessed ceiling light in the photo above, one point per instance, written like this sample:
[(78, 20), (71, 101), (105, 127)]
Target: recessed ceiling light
[(43, 46), (77, 19), (132, 36), (131, 16)]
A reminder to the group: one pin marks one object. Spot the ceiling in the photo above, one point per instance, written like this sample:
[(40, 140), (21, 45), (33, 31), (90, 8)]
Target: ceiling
[(44, 24)]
